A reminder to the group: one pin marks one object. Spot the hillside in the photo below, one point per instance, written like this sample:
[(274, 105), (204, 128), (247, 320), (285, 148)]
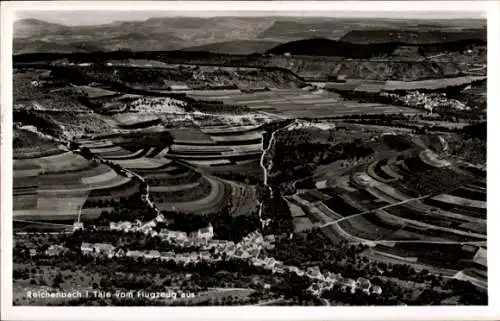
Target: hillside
[(32, 35), (413, 36), (236, 47), (327, 47)]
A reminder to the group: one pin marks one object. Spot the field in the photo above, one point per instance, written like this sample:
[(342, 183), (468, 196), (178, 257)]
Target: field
[(175, 183), (407, 194), (298, 103), (56, 187)]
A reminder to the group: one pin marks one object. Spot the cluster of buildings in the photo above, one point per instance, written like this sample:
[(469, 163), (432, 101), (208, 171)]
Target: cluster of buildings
[(196, 238), (428, 101), (328, 280), (157, 105), (321, 281)]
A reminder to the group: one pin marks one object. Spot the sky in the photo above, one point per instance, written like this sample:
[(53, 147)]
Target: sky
[(396, 10)]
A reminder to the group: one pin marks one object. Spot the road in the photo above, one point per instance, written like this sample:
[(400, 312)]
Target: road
[(374, 210), (266, 170)]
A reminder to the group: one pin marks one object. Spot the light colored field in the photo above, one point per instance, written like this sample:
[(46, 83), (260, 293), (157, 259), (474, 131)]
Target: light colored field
[(26, 173), (109, 175), (241, 149), (451, 199), (142, 163), (134, 118), (192, 148), (109, 149), (230, 129), (293, 102), (246, 136), (62, 162), (174, 188), (295, 209), (97, 143), (430, 83), (209, 162), (126, 156)]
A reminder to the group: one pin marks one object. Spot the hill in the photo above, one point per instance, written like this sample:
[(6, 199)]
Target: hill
[(327, 47), (32, 35), (236, 47), (412, 36)]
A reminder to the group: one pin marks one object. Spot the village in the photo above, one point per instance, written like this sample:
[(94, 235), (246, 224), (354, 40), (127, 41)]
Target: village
[(248, 249), (428, 101)]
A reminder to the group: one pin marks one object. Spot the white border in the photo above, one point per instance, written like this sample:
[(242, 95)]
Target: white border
[(246, 313)]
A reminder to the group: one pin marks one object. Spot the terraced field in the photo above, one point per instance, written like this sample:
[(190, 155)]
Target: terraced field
[(55, 188), (174, 186), (412, 196)]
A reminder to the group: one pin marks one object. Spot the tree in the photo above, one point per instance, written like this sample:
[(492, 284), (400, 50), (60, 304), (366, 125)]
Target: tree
[(57, 280)]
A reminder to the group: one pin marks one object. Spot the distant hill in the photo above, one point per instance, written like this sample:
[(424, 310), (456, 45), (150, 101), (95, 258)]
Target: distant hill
[(337, 28), (238, 35), (236, 47), (412, 36), (152, 34), (327, 47)]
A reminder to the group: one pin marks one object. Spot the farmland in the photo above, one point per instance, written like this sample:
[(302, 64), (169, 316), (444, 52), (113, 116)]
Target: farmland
[(292, 103), (407, 192), (56, 187)]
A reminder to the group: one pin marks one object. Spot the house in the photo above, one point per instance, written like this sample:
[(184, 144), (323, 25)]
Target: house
[(314, 272), (278, 269), (104, 249), (376, 289), (33, 252), (173, 235), (153, 254), (347, 284), (55, 250), (120, 253), (287, 54), (206, 233), (77, 226), (87, 248), (332, 277), (341, 78), (114, 226), (363, 284), (135, 254)]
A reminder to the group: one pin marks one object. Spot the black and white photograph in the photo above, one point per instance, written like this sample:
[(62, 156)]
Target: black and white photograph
[(255, 158)]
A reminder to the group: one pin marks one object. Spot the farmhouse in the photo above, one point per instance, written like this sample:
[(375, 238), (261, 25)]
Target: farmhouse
[(87, 248)]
